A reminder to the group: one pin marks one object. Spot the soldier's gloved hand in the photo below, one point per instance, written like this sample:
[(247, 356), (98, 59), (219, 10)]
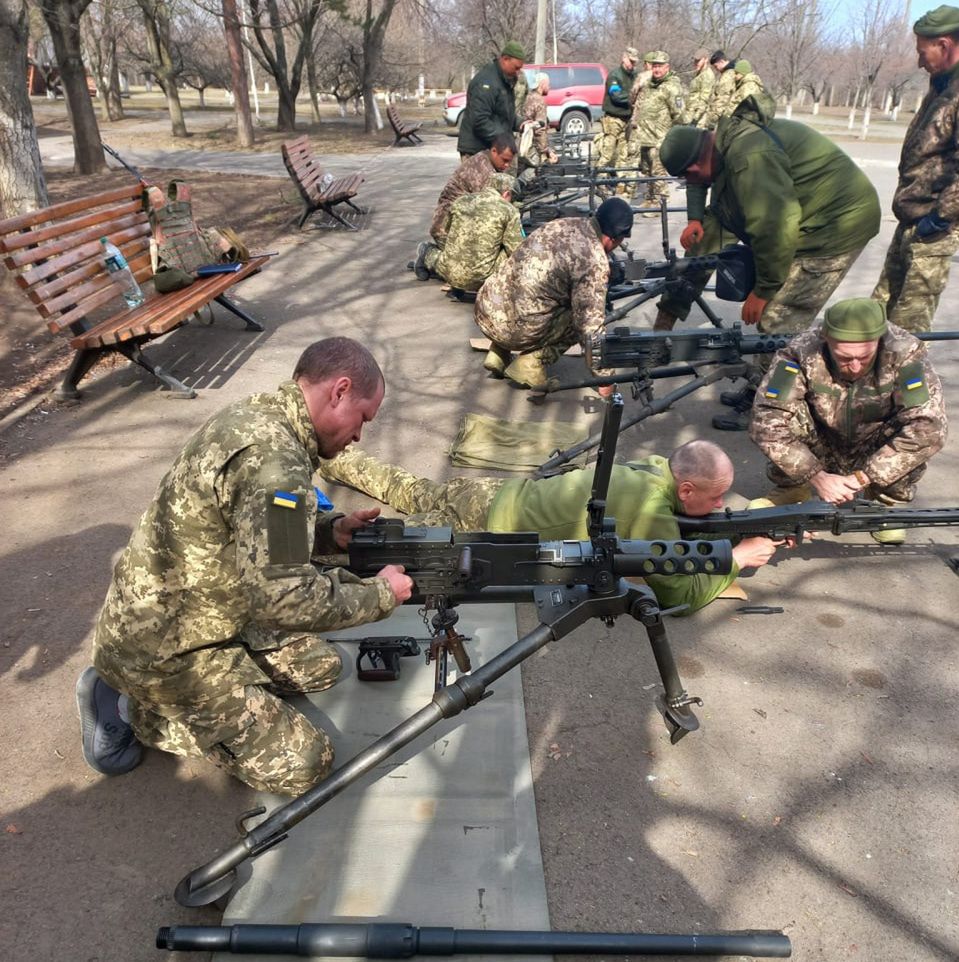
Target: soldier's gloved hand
[(402, 584), (753, 308), (692, 234), (344, 527), (931, 224)]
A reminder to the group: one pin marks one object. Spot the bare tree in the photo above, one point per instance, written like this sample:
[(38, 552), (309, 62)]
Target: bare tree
[(22, 186), (204, 58), (101, 29), (238, 83), (162, 59)]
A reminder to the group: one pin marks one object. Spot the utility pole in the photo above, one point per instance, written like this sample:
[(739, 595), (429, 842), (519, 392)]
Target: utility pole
[(539, 54)]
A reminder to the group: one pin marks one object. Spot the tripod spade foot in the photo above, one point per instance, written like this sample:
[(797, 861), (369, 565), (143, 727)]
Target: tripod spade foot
[(680, 720)]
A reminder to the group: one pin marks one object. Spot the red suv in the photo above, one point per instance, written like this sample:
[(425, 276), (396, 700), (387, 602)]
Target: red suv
[(574, 101)]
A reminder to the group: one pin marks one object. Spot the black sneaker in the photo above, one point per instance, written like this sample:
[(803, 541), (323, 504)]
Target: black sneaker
[(108, 743), (419, 265)]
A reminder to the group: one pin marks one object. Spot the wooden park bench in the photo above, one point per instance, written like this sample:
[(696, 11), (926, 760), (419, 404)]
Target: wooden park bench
[(402, 130), (56, 257), (319, 190)]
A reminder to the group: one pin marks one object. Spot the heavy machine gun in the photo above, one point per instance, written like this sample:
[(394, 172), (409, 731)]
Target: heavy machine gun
[(569, 583)]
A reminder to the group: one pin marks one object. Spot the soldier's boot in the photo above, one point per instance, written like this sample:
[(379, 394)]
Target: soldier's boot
[(529, 370), (106, 737), (779, 496), (419, 265), (741, 400), (742, 404), (664, 321), (497, 357), (891, 536)]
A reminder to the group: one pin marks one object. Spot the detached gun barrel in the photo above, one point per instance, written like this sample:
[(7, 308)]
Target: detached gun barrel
[(402, 941)]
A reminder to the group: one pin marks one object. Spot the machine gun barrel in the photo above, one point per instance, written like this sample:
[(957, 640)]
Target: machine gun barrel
[(386, 940), (791, 521)]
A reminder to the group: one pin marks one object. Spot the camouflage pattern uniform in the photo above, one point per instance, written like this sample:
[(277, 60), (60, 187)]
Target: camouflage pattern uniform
[(700, 92), (917, 269), (642, 499), (611, 142), (721, 101), (482, 230), (887, 424), (551, 293), (214, 605), (747, 85), (471, 176), (657, 106), (535, 112), (520, 93)]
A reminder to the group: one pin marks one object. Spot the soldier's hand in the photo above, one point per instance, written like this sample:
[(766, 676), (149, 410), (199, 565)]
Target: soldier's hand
[(692, 234), (835, 488), (755, 552), (402, 584), (753, 308), (606, 390), (344, 527)]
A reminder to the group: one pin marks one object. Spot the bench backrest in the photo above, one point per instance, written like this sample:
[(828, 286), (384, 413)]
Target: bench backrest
[(56, 256), (303, 167)]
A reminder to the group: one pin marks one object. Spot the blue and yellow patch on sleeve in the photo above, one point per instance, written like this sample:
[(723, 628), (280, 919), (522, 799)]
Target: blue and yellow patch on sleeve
[(791, 367), (781, 381), (284, 499), (772, 392), (914, 384)]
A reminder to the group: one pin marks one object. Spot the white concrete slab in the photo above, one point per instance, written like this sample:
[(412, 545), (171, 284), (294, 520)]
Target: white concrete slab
[(443, 833)]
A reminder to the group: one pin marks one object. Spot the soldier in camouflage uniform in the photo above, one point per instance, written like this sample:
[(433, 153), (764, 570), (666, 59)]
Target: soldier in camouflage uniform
[(551, 293), (644, 498), (700, 87), (926, 202), (723, 92), (215, 605), (611, 142), (803, 206), (748, 84), (852, 407), (658, 104), (534, 114), (471, 176), (482, 230)]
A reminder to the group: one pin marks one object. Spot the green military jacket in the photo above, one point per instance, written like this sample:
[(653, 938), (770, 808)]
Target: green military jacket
[(898, 405), (490, 110), (642, 499), (619, 86), (786, 191), (721, 99), (659, 104), (227, 542), (700, 90)]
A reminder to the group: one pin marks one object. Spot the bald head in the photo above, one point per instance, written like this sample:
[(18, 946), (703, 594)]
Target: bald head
[(703, 474)]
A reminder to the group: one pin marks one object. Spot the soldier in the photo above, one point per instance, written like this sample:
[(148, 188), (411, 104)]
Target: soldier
[(724, 88), (658, 105), (926, 202), (490, 101), (644, 497), (215, 607), (471, 176), (551, 293), (748, 84), (803, 206), (851, 407), (617, 108), (700, 87), (535, 117), (482, 230)]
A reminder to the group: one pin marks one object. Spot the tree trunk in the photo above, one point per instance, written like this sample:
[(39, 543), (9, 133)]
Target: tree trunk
[(313, 88), (63, 20), (241, 93), (22, 186), (156, 18), (113, 94)]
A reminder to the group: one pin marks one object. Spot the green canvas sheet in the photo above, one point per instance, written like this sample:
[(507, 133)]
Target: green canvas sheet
[(486, 442)]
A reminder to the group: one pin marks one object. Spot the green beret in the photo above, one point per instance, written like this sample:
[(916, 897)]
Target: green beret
[(656, 56), (680, 148), (169, 279), (513, 49), (938, 23), (743, 67), (856, 319)]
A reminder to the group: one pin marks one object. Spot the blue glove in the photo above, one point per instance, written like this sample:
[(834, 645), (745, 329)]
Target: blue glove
[(322, 501), (614, 89), (931, 224)]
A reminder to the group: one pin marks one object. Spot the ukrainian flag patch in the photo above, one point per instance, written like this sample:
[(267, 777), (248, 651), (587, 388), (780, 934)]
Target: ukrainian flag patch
[(772, 392), (791, 367), (913, 383), (285, 499), (781, 380)]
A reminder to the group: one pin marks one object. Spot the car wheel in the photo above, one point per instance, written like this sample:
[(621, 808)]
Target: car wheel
[(575, 123)]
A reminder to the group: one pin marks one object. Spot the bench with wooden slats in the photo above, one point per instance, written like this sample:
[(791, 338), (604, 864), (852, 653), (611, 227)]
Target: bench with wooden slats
[(403, 130), (319, 190), (56, 257)]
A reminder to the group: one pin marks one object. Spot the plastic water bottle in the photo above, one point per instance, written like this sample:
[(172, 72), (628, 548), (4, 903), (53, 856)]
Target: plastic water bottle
[(123, 277)]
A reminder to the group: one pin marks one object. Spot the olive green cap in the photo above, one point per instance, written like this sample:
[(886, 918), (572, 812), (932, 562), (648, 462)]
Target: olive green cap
[(513, 48), (680, 148), (743, 67), (656, 56), (856, 319), (938, 23)]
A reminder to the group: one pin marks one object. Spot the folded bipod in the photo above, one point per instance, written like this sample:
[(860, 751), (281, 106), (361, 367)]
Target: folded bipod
[(402, 941)]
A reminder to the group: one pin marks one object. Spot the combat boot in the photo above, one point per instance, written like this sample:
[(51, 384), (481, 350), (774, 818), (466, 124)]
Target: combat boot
[(779, 496), (497, 357), (891, 536), (741, 400), (529, 370), (419, 265)]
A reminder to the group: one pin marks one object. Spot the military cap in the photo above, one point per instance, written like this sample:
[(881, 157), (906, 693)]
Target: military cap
[(502, 183), (856, 319), (632, 53), (615, 217), (717, 56), (743, 67), (513, 49), (701, 54), (656, 56), (940, 22), (680, 148)]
